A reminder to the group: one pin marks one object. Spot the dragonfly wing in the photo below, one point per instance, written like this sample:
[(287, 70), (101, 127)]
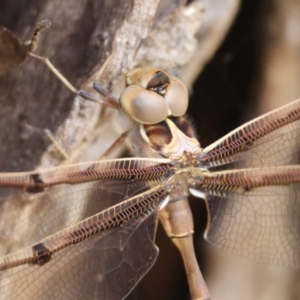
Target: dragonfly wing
[(100, 267), (253, 212), (93, 238), (71, 194), (270, 140), (254, 218)]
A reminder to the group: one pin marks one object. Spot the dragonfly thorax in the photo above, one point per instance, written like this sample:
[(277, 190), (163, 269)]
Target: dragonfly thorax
[(172, 138)]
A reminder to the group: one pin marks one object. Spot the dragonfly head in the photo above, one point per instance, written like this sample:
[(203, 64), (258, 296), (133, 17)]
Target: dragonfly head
[(152, 95)]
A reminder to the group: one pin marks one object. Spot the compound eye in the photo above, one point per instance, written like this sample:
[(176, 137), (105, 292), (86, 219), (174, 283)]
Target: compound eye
[(143, 106), (177, 97)]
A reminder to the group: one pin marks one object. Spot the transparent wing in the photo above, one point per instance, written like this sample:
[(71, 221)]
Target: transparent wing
[(101, 267), (262, 224), (257, 213), (270, 140), (74, 231), (252, 188)]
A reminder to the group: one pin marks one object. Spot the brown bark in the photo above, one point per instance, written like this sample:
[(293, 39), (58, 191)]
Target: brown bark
[(83, 35)]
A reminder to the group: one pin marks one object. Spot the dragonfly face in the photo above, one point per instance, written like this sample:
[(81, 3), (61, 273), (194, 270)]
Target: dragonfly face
[(151, 96), (86, 231)]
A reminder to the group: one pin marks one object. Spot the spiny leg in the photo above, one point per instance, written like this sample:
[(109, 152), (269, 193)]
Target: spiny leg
[(108, 99), (31, 47), (49, 135)]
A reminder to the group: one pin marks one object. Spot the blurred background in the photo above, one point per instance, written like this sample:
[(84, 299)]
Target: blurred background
[(242, 60), (255, 70)]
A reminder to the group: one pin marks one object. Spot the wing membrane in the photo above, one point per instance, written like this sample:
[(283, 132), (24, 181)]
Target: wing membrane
[(27, 217), (100, 267), (255, 209), (256, 214), (36, 205), (270, 140)]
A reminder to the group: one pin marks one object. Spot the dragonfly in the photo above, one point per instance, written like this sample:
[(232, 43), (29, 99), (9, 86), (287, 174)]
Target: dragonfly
[(86, 231)]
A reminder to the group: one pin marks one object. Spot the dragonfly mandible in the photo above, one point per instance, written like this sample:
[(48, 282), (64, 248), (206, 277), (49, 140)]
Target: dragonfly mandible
[(88, 229)]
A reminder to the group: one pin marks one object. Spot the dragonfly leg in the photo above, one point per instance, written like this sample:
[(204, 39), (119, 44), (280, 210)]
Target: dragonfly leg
[(107, 99), (35, 37), (50, 137), (57, 145), (116, 145), (177, 220), (55, 71)]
